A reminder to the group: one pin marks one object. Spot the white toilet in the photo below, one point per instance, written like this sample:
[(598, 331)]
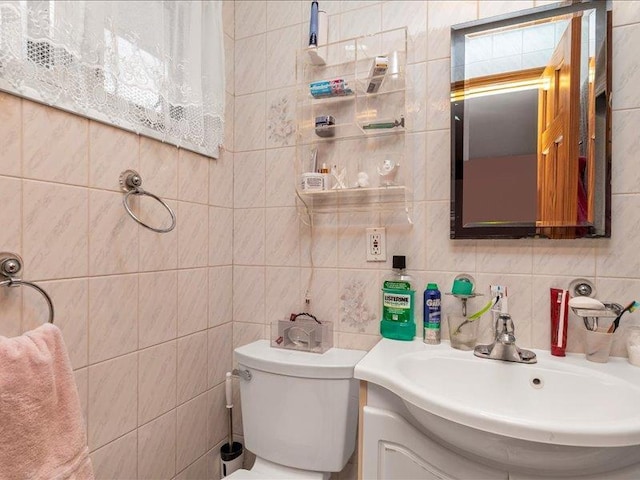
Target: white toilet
[(299, 411)]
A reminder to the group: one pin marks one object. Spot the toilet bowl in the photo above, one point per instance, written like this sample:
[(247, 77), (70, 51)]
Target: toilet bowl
[(299, 410)]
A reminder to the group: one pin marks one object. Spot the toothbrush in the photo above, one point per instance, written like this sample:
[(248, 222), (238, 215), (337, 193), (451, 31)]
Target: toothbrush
[(616, 323), (477, 315)]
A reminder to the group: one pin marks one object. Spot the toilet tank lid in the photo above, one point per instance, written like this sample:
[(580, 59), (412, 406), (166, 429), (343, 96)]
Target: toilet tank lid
[(334, 363)]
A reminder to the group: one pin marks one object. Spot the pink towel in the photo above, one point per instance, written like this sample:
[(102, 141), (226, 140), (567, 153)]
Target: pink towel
[(42, 434)]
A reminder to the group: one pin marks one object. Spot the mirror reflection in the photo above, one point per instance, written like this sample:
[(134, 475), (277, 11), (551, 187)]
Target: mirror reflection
[(530, 125)]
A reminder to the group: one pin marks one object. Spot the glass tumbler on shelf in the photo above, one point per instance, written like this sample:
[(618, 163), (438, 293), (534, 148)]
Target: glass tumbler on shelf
[(463, 333)]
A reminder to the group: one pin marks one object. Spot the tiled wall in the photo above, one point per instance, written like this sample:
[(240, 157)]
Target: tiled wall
[(146, 316), (271, 265)]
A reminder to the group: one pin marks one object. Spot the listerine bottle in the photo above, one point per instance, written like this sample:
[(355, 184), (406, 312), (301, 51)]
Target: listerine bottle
[(398, 303)]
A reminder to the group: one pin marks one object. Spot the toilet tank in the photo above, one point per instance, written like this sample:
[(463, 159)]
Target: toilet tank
[(299, 409)]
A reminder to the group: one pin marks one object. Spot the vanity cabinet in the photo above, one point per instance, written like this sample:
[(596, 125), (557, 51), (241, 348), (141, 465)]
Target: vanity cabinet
[(363, 151)]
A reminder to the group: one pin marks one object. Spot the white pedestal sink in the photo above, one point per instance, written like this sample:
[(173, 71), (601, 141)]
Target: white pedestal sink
[(559, 417)]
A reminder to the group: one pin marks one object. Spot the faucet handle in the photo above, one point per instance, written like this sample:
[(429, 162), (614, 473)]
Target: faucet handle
[(505, 329)]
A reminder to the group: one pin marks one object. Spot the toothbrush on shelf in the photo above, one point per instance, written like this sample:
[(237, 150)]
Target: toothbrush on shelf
[(616, 323)]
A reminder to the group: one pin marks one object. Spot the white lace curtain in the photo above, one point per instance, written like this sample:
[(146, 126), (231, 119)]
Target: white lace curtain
[(152, 67)]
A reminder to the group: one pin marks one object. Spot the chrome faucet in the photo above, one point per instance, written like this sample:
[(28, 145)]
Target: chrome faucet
[(504, 345)]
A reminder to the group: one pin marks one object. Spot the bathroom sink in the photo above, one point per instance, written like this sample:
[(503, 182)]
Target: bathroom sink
[(561, 415)]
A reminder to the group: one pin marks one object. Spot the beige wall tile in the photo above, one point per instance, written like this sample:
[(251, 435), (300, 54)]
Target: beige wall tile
[(221, 236), (192, 431), (55, 145), (11, 201), (248, 294), (157, 307), (112, 399), (158, 251), (193, 235), (193, 290), (156, 381), (250, 73), (220, 295), (193, 176), (252, 18), (117, 460), (71, 303), (248, 236), (250, 122), (157, 448), (10, 134), (249, 179), (159, 168), (82, 382), (221, 180), (192, 366), (217, 415), (55, 240), (113, 235), (111, 152), (113, 316), (220, 353)]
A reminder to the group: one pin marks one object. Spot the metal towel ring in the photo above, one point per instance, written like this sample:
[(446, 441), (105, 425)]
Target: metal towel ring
[(10, 265), (131, 183)]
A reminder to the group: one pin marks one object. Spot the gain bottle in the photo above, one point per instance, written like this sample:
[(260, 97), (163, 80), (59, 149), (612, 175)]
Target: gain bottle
[(432, 314), (397, 303)]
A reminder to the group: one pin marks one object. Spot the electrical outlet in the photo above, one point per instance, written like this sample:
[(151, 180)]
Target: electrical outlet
[(376, 245)]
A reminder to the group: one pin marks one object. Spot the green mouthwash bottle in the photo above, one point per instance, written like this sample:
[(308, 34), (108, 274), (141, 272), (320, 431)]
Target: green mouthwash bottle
[(398, 303)]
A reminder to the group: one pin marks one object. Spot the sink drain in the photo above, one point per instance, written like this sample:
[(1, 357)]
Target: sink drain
[(536, 382)]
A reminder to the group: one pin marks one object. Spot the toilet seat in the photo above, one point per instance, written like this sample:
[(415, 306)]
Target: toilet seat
[(265, 470)]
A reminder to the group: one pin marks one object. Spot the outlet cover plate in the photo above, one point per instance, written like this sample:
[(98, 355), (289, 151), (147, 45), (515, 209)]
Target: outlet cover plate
[(376, 244)]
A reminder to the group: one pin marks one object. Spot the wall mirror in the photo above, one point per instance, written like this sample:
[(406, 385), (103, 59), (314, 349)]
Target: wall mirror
[(531, 124)]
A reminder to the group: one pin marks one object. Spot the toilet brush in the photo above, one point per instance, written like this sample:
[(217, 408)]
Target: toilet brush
[(231, 453)]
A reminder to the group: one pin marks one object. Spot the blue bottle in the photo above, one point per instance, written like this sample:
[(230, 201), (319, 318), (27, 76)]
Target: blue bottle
[(431, 331)]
